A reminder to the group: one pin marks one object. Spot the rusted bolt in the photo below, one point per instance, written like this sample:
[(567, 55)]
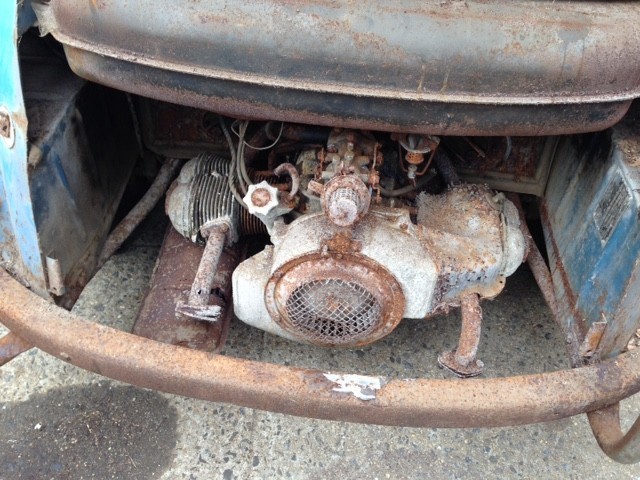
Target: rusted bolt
[(5, 125), (260, 197), (6, 128)]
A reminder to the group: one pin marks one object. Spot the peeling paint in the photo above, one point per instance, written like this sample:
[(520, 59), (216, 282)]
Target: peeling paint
[(360, 386)]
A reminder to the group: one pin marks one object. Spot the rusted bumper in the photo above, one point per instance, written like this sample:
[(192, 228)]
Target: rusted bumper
[(311, 393)]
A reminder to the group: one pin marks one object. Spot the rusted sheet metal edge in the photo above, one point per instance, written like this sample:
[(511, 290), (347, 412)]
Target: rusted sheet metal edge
[(317, 86), (312, 393)]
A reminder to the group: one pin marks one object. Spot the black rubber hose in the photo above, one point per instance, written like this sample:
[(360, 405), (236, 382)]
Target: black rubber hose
[(445, 168)]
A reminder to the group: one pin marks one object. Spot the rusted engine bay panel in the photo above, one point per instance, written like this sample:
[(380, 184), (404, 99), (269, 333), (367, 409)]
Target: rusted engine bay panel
[(452, 67)]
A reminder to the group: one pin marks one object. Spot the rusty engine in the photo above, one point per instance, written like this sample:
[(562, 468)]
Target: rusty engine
[(350, 253)]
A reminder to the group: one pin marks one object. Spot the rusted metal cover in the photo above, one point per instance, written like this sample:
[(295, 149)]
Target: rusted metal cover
[(446, 67)]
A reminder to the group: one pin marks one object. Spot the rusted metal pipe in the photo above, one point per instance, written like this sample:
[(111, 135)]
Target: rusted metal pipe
[(621, 447), (535, 260), (431, 403), (139, 212), (200, 305), (11, 345), (289, 169), (462, 361), (201, 289)]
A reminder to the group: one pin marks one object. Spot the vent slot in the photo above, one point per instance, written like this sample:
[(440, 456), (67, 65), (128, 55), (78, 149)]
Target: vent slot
[(614, 202)]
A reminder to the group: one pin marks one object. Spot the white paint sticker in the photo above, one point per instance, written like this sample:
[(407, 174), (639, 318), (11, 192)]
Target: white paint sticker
[(360, 386)]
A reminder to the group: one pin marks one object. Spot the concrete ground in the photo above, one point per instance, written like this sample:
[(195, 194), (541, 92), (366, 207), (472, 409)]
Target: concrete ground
[(60, 422)]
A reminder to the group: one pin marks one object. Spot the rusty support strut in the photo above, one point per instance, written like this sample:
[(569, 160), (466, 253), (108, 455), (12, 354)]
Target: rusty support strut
[(11, 345), (141, 210), (200, 305), (462, 361)]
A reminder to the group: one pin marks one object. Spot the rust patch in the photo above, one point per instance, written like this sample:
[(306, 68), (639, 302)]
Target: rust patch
[(517, 157), (589, 346), (344, 243), (260, 197)]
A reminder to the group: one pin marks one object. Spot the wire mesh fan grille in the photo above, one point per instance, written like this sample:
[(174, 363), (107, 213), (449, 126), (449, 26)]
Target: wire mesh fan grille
[(347, 194), (333, 311)]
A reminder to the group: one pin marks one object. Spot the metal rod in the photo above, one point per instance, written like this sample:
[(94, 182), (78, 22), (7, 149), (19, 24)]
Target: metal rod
[(416, 402), (471, 328), (139, 212), (201, 289), (535, 260)]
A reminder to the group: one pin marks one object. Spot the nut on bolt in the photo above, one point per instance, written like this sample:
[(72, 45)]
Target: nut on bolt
[(261, 198)]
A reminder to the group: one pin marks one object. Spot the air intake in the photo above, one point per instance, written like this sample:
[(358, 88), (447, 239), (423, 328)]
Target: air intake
[(335, 301)]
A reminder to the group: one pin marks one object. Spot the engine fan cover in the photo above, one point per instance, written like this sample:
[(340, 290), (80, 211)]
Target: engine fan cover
[(335, 300)]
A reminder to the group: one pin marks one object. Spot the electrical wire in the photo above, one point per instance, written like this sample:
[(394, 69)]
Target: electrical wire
[(244, 175), (234, 158), (275, 142)]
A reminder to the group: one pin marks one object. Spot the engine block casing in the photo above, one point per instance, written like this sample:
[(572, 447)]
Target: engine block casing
[(349, 286)]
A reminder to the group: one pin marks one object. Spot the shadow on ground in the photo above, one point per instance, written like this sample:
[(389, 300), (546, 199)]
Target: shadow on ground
[(87, 431)]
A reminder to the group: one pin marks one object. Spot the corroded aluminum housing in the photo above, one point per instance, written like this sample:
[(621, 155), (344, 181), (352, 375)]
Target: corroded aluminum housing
[(467, 241)]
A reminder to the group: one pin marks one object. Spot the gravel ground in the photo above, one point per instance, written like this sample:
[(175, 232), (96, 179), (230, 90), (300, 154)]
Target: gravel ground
[(60, 422)]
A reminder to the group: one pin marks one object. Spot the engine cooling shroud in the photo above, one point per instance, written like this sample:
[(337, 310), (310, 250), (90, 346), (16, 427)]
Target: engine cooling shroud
[(335, 299)]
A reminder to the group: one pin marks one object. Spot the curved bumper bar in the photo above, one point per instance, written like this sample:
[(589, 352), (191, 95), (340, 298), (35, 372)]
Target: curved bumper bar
[(312, 393)]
